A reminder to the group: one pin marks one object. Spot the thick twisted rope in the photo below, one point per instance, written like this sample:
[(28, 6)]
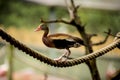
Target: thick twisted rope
[(51, 62)]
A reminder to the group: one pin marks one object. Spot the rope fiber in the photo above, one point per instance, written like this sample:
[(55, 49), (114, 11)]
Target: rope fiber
[(54, 63)]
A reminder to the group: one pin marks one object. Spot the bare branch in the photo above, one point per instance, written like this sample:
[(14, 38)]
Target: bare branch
[(68, 7), (72, 3), (109, 34), (72, 10), (77, 7), (91, 35), (102, 42), (74, 18)]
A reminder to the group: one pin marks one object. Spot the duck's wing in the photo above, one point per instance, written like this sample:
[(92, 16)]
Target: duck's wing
[(60, 36), (67, 37)]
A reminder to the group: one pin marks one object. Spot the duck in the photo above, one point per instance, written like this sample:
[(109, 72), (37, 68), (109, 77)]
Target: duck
[(59, 41)]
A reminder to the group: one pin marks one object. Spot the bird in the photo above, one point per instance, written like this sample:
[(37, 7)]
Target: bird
[(59, 41)]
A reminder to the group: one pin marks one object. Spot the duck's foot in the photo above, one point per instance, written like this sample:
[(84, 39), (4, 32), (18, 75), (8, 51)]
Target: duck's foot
[(60, 59), (68, 57), (63, 57)]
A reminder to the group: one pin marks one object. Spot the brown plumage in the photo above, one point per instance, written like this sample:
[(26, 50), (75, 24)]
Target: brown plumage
[(59, 41)]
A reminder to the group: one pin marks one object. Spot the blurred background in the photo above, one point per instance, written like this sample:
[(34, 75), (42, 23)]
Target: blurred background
[(19, 18)]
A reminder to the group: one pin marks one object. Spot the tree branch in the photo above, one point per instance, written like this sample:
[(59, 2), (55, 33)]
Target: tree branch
[(102, 42), (71, 22)]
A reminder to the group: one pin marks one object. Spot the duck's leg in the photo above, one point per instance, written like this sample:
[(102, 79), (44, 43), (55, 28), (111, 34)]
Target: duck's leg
[(59, 59), (66, 54)]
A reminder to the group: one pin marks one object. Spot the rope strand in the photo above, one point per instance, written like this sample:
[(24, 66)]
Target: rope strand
[(51, 62)]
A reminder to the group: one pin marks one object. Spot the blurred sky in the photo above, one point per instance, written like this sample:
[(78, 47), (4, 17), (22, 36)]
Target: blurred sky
[(97, 4)]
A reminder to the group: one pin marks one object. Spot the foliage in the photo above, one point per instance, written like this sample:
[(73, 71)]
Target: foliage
[(23, 14), (97, 20)]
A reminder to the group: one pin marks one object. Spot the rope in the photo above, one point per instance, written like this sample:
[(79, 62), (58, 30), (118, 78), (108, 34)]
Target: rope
[(51, 62)]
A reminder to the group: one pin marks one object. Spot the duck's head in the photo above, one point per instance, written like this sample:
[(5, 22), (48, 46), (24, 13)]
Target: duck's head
[(42, 26)]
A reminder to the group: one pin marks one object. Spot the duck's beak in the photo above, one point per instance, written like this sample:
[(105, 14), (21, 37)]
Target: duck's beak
[(38, 28)]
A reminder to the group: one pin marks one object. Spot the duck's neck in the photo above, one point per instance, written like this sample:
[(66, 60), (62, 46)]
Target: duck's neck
[(46, 32)]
